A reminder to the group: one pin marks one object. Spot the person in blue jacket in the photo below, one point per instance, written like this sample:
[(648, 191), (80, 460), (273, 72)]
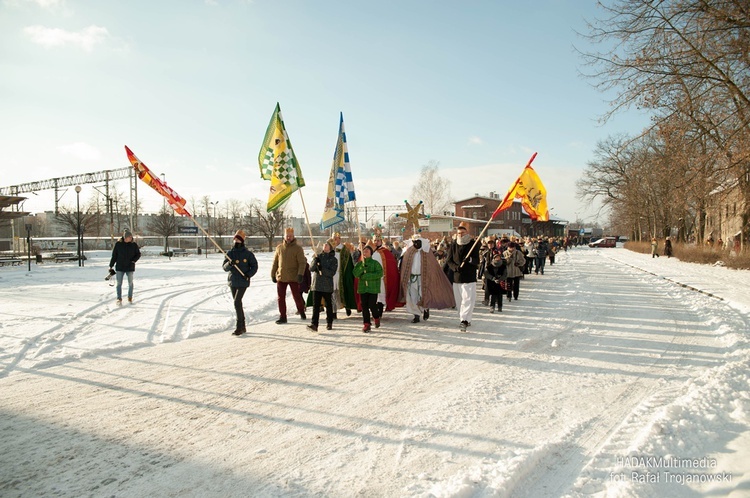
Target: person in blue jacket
[(242, 266)]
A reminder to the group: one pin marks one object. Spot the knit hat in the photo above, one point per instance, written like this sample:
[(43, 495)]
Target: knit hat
[(240, 234), (463, 225), (127, 233), (289, 231)]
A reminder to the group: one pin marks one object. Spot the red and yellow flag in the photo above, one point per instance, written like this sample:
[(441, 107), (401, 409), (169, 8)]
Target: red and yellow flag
[(173, 198), (530, 189)]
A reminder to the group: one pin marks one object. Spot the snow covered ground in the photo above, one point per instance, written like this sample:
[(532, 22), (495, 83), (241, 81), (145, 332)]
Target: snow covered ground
[(614, 374)]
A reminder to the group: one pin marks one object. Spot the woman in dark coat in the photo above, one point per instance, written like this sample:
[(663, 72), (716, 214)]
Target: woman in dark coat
[(242, 266), (323, 268)]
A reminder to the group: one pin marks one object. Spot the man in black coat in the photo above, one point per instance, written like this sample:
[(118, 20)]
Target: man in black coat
[(463, 260), (124, 255)]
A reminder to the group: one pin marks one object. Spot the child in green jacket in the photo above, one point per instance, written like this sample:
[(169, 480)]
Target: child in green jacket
[(369, 272)]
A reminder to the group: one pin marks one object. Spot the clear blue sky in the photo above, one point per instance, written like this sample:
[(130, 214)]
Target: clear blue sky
[(190, 85)]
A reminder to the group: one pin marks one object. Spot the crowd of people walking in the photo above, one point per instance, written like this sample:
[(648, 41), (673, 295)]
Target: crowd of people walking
[(375, 277)]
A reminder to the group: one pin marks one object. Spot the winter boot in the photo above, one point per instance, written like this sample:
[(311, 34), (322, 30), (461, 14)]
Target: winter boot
[(329, 326), (118, 302), (366, 328), (314, 328), (425, 314), (281, 320), (415, 319), (303, 316), (377, 323)]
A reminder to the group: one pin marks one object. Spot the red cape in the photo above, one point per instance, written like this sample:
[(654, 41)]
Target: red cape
[(391, 278)]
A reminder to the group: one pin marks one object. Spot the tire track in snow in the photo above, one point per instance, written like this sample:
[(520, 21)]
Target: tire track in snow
[(91, 320)]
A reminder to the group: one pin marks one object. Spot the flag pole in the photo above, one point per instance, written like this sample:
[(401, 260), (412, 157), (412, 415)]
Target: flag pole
[(217, 245), (307, 219), (356, 219), (476, 241)]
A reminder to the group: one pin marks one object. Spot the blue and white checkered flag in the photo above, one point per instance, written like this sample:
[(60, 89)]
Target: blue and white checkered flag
[(344, 183), (340, 184)]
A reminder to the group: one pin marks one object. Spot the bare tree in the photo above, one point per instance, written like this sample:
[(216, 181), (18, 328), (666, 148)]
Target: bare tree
[(267, 224), (687, 62), (164, 224), (68, 218), (432, 189), (235, 213)]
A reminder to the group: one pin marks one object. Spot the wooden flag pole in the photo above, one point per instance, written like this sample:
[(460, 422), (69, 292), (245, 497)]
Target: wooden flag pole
[(476, 241), (356, 219), (307, 220), (217, 245)]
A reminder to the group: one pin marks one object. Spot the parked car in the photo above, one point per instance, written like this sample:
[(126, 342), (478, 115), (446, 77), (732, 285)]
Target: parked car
[(605, 242)]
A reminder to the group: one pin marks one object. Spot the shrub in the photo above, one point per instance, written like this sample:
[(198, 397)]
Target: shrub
[(691, 253)]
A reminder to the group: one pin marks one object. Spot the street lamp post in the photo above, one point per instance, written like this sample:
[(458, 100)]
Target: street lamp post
[(78, 227), (28, 243), (214, 204), (164, 199)]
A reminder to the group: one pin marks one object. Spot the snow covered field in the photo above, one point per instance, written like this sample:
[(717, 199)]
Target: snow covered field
[(612, 375)]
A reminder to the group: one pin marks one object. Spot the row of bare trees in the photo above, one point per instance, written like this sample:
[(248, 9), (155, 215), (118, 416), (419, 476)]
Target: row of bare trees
[(224, 218), (687, 63), (218, 219)]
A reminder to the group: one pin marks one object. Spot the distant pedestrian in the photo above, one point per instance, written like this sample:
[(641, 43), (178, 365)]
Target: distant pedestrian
[(242, 266), (323, 269), (515, 261), (124, 255), (397, 250), (542, 250), (554, 246), (668, 247), (654, 248), (369, 272)]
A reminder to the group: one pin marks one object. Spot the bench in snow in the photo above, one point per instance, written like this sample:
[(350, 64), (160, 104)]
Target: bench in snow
[(65, 256)]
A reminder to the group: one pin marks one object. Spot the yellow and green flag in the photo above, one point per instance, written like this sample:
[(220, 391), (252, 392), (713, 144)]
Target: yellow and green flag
[(278, 163), (533, 194)]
